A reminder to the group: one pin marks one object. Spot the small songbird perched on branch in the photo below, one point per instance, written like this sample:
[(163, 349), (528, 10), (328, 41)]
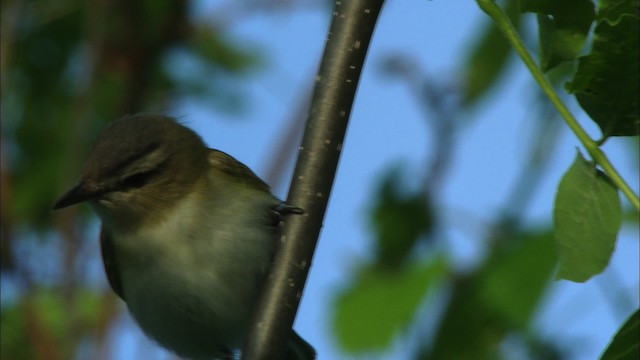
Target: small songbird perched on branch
[(187, 234)]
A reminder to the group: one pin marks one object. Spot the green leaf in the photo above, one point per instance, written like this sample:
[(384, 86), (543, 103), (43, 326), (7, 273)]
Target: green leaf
[(606, 83), (399, 219), (625, 344), (498, 299), (487, 59), (564, 26), (223, 53), (613, 10), (587, 216), (382, 303), (515, 279)]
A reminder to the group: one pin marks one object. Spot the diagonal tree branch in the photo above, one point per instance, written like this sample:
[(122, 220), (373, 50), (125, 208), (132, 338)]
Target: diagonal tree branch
[(345, 49)]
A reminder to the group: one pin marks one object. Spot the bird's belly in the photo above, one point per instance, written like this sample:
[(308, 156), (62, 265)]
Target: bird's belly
[(191, 282), (197, 304), (192, 318)]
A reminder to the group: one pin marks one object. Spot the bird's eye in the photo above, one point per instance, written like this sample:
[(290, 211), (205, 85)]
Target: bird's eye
[(136, 180)]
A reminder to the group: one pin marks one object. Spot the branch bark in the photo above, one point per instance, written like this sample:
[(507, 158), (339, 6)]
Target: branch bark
[(345, 49)]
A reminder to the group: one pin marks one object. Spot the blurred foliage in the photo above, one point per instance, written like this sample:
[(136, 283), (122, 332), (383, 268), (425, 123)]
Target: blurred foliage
[(38, 327), (497, 300), (488, 57), (68, 73), (383, 302), (515, 277), (68, 67), (399, 220), (386, 293), (217, 50)]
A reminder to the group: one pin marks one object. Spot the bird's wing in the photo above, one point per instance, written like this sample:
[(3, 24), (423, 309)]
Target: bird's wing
[(108, 260), (242, 174), (232, 167)]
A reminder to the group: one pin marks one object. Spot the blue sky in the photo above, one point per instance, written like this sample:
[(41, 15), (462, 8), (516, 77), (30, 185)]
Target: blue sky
[(387, 128)]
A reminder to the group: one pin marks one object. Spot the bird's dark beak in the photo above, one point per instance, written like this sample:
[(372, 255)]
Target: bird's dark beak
[(77, 194)]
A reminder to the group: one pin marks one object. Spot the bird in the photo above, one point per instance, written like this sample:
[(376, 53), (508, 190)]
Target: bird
[(187, 234)]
